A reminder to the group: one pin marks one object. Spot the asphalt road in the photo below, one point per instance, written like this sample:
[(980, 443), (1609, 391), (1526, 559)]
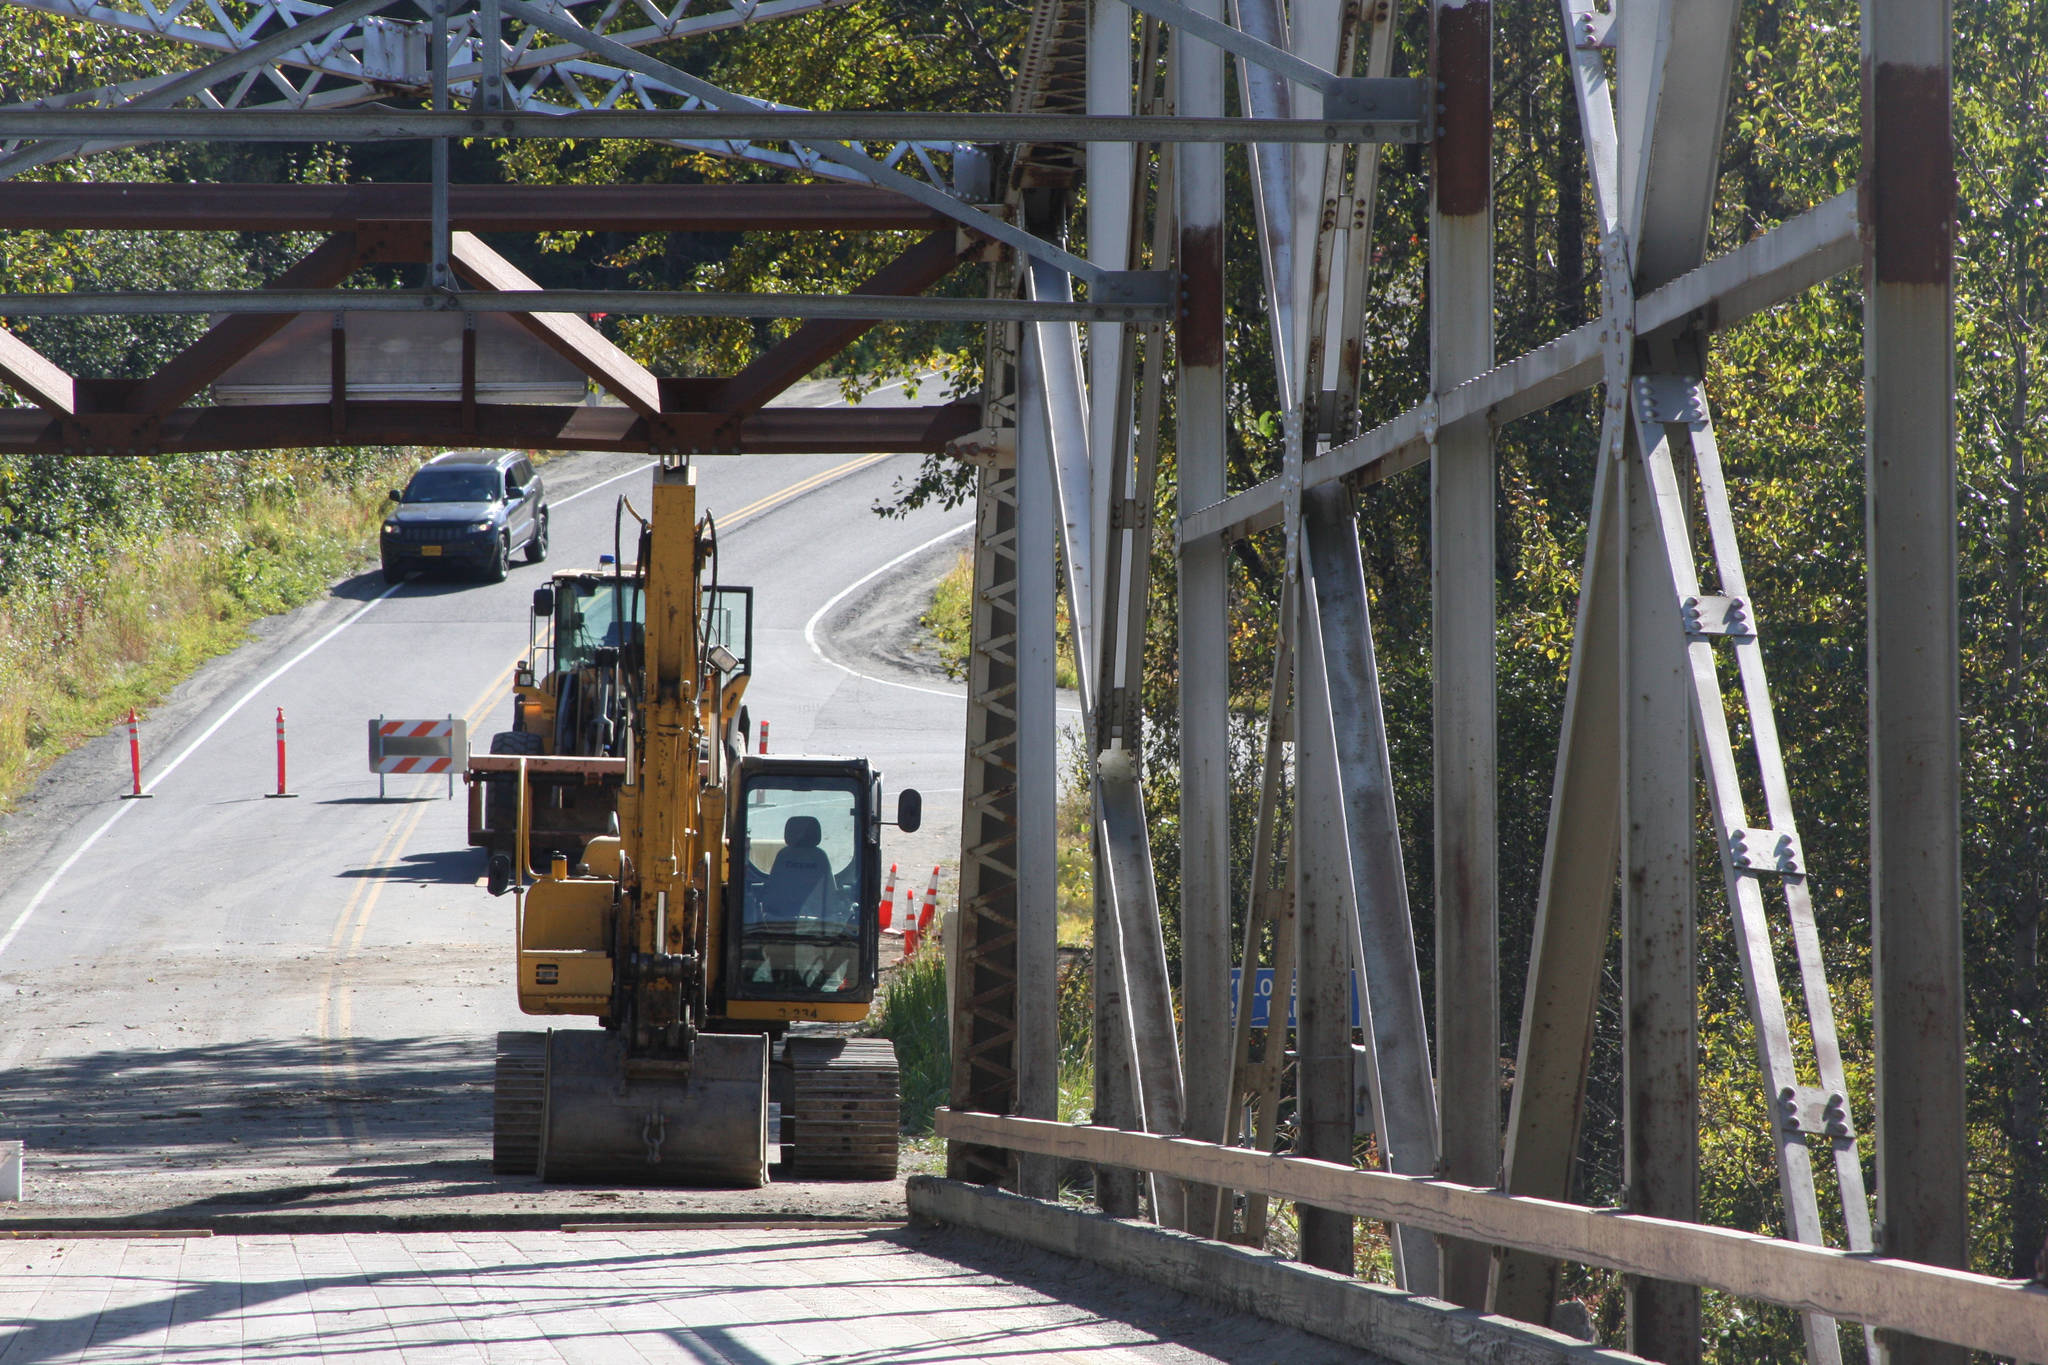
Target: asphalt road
[(211, 999)]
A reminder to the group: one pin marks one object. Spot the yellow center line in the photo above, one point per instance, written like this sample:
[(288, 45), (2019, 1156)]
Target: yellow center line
[(335, 1014), (800, 487)]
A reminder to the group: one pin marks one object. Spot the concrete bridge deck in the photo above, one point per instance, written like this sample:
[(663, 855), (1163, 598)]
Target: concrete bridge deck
[(754, 1296)]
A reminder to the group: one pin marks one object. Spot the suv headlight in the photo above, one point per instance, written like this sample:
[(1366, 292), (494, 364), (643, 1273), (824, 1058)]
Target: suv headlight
[(483, 525), (390, 528)]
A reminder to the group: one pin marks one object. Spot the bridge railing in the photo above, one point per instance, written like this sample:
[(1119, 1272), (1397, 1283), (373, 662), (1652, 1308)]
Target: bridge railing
[(2006, 1317)]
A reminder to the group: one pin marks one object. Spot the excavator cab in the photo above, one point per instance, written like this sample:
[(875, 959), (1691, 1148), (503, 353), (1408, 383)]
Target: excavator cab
[(803, 891)]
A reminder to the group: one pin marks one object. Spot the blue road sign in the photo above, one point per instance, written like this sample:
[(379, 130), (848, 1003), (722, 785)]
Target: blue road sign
[(1262, 998)]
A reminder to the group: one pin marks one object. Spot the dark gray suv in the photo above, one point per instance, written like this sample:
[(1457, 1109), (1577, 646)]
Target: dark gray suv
[(468, 507)]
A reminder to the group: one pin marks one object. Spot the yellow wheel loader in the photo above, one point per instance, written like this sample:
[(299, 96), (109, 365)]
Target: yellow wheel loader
[(573, 695), (737, 898)]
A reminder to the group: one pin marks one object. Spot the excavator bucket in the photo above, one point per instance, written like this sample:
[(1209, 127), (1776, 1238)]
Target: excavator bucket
[(572, 1107)]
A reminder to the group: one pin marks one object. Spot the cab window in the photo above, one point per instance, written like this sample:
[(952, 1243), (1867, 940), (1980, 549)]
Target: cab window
[(590, 616), (800, 930)]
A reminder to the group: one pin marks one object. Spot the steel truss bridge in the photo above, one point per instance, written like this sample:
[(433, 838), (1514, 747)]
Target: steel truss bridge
[(1120, 120)]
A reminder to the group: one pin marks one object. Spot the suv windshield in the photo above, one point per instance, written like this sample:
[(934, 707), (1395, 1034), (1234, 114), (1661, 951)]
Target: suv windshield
[(453, 485)]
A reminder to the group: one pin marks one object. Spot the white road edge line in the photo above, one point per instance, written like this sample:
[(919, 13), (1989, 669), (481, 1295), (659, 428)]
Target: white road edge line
[(811, 626), (36, 901)]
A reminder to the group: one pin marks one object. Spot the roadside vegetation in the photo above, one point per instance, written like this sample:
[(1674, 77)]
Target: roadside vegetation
[(119, 577), (911, 1013), (950, 622)]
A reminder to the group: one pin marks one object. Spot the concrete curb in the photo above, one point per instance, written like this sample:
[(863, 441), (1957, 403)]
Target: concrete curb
[(1397, 1326)]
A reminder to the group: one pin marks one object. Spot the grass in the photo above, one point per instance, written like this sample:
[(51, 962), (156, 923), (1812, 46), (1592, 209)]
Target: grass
[(950, 622), (913, 1016), (950, 617), (75, 658)]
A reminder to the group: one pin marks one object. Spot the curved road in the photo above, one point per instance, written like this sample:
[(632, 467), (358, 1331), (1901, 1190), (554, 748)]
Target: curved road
[(214, 1000)]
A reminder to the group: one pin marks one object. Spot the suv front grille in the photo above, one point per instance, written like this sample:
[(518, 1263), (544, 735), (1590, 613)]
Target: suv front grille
[(413, 533)]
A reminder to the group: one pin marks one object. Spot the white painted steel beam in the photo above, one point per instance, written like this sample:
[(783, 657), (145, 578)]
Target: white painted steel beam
[(1659, 982), (1037, 850), (1760, 274), (1674, 60), (1461, 651), (1325, 1081), (1201, 425), (1909, 365), (1111, 168), (1053, 349), (1325, 916), (1126, 868), (1574, 904), (720, 117), (1340, 674), (36, 377)]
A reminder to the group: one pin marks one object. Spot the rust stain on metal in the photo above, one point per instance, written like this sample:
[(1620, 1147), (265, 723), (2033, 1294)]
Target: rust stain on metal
[(1201, 301), (1908, 204), (1461, 41)]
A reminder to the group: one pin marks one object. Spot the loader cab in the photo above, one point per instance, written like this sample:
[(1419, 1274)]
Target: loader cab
[(582, 664), (801, 929), (593, 611)]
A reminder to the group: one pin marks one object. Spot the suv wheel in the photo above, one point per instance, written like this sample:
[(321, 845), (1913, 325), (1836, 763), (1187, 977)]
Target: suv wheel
[(393, 571), (537, 548), (501, 562)]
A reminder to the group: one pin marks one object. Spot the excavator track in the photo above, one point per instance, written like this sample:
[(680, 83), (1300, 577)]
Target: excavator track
[(846, 1107), (518, 1102)]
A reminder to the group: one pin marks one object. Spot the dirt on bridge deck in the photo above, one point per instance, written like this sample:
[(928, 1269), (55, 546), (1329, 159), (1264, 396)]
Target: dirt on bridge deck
[(260, 1136)]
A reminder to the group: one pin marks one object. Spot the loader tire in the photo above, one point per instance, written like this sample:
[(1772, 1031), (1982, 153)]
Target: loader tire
[(518, 1098), (846, 1108)]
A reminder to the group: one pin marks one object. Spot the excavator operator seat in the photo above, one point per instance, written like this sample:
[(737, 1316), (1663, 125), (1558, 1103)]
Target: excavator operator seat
[(800, 881)]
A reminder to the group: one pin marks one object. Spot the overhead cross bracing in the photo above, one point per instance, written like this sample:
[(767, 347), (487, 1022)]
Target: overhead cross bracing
[(1100, 444)]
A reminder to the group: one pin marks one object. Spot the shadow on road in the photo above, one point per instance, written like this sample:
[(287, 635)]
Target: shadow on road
[(380, 800), (710, 1302), (450, 867), (239, 1102), (367, 587)]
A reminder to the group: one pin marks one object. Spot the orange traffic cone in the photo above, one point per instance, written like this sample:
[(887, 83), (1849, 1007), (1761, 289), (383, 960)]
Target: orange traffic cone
[(930, 908), (915, 929), (888, 896)]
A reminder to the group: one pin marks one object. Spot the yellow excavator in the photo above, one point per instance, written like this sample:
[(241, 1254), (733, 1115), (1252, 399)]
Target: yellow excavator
[(717, 937)]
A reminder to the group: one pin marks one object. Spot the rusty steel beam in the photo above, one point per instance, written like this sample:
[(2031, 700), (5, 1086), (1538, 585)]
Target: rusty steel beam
[(35, 376), (570, 336), (228, 340), (475, 208), (771, 431), (817, 341)]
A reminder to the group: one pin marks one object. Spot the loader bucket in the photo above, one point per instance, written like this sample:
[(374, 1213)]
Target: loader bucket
[(610, 1120)]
